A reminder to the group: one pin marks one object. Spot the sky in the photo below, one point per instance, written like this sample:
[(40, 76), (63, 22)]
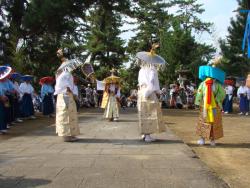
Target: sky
[(219, 12)]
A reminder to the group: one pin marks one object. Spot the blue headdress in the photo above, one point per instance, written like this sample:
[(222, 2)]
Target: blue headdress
[(212, 72)]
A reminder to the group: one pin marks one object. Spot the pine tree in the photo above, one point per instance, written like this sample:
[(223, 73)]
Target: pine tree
[(11, 30), (180, 48), (152, 19), (175, 33), (43, 27), (235, 62), (103, 39), (187, 14)]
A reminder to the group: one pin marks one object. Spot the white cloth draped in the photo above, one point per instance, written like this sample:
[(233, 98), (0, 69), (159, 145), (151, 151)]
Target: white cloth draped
[(148, 77), (100, 85), (63, 81)]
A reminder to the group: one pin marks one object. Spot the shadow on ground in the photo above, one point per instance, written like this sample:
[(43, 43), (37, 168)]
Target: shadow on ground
[(126, 141), (127, 120), (20, 181), (224, 145)]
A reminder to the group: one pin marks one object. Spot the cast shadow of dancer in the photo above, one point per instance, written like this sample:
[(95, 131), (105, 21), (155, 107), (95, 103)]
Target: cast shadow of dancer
[(125, 141), (21, 181), (225, 145)]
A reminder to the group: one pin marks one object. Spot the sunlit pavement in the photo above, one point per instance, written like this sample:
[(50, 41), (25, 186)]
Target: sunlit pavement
[(107, 155)]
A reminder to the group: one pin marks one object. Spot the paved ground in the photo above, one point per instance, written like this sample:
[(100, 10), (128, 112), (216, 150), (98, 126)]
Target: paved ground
[(108, 155), (230, 158)]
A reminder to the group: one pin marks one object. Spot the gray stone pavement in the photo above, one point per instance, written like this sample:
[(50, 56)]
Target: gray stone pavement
[(108, 155)]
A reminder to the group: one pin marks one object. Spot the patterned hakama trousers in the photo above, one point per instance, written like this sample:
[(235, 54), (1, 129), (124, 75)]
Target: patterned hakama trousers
[(210, 130), (66, 116), (150, 114)]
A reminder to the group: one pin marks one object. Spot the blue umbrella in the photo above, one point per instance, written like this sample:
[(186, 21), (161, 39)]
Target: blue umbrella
[(26, 78), (4, 71), (15, 75)]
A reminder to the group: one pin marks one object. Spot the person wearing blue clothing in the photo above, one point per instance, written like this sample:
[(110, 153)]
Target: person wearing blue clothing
[(15, 77), (242, 94), (47, 99), (4, 101), (228, 101), (27, 91), (10, 92)]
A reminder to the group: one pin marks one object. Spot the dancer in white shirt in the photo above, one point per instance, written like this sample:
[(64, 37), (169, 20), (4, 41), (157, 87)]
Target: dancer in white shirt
[(27, 92), (242, 94), (228, 102), (66, 114)]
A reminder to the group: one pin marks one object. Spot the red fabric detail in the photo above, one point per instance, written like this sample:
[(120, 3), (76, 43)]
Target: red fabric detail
[(209, 84), (46, 80), (229, 82)]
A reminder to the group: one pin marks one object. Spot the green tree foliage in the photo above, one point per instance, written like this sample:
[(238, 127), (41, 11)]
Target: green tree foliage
[(11, 30), (42, 26), (152, 19), (235, 62), (32, 31), (48, 26), (175, 33), (103, 38), (187, 14), (180, 48)]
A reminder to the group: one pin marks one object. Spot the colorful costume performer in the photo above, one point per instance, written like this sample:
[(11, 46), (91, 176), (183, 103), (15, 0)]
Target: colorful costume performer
[(111, 96), (149, 107), (210, 96)]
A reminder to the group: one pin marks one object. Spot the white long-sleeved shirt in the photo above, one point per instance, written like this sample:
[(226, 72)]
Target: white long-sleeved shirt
[(229, 90), (63, 81), (148, 77), (26, 88), (242, 90)]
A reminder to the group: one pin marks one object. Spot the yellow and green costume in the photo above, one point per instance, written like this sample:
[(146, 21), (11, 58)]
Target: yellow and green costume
[(209, 97)]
